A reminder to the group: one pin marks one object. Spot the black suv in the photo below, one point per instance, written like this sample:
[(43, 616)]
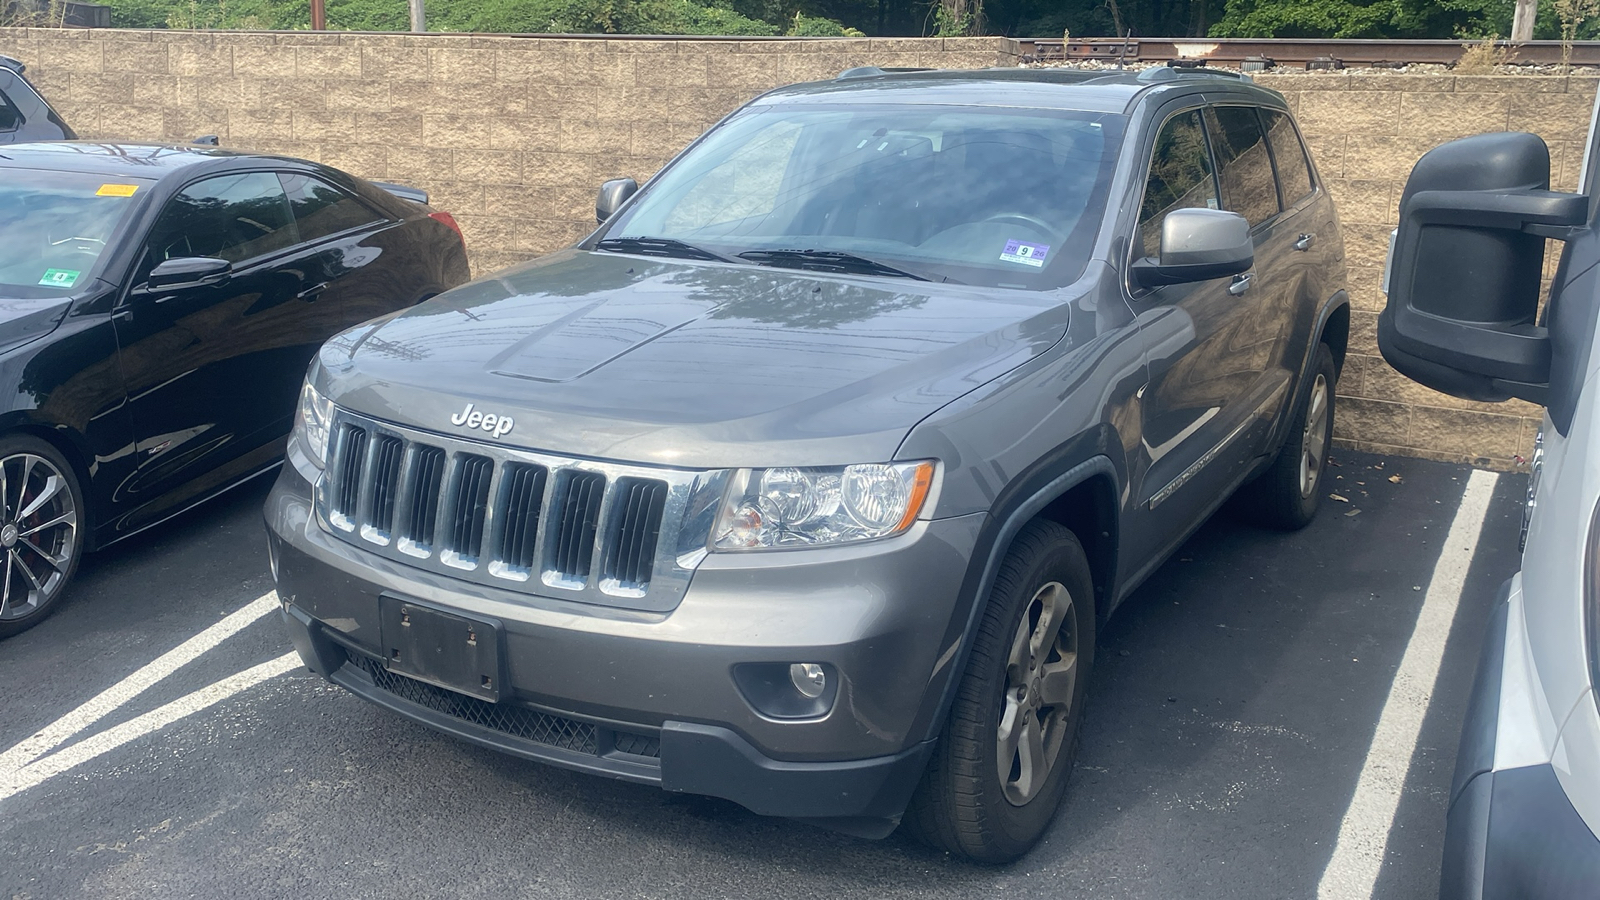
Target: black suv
[(807, 479), (24, 114)]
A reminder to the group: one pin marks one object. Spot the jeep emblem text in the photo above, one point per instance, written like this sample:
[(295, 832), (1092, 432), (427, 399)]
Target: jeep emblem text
[(495, 425)]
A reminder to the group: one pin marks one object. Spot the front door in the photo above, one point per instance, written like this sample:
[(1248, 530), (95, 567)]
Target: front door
[(1199, 409), (212, 371)]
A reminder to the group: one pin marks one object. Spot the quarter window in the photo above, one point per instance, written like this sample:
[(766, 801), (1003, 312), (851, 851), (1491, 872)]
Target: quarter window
[(1244, 167), (231, 217), (1294, 172), (320, 209), (1180, 177)]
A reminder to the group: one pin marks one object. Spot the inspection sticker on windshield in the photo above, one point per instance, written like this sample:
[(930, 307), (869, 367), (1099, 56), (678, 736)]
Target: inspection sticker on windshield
[(116, 190), (59, 278), (1025, 253)]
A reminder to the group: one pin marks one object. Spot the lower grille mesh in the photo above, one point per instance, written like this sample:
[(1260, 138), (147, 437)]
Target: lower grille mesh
[(516, 721)]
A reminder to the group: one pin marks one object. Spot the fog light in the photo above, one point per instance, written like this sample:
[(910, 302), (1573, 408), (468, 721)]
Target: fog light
[(781, 690), (808, 679)]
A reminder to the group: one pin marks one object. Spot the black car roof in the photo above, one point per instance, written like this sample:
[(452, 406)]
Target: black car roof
[(1089, 90), (155, 161)]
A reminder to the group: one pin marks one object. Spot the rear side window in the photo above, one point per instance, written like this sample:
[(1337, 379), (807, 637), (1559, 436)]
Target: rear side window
[(1294, 172), (1243, 165), (231, 217), (320, 209), (1180, 176), (10, 119)]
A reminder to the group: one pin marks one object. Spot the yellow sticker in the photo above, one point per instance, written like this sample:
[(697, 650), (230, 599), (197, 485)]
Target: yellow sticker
[(116, 190)]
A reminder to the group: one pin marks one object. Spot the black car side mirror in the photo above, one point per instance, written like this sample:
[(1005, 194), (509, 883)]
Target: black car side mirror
[(613, 194), (1198, 245), (1465, 266), (188, 272)]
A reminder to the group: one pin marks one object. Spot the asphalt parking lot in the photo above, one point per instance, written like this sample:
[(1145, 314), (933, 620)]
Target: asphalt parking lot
[(1234, 705)]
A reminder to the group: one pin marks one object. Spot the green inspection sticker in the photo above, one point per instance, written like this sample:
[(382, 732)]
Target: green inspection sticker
[(60, 278)]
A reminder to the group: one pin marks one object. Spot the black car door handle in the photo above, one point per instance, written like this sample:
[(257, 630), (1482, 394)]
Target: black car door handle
[(1305, 242), (311, 293), (1241, 283)]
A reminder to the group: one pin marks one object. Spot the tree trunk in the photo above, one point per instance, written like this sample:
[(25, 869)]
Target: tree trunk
[(1522, 22)]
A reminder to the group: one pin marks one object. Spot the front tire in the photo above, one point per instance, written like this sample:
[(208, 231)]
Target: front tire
[(41, 533), (999, 773), (1286, 496)]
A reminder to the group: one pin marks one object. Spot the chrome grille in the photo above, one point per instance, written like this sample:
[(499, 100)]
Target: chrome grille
[(525, 521)]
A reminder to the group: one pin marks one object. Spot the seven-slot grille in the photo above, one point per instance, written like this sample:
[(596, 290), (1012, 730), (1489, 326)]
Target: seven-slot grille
[(520, 520)]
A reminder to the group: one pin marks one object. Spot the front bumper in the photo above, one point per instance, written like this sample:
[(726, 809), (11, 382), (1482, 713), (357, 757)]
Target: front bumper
[(1511, 832), (651, 697)]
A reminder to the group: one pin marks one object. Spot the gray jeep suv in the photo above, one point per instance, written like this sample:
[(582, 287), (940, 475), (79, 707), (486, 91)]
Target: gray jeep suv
[(806, 480)]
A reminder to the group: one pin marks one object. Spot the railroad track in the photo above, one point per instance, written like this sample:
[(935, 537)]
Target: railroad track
[(1290, 53)]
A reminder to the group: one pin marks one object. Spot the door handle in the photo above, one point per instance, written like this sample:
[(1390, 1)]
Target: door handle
[(1241, 283), (310, 294), (1305, 242)]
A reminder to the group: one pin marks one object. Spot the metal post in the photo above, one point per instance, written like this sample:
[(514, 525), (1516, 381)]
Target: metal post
[(419, 20), (1522, 20), (319, 15)]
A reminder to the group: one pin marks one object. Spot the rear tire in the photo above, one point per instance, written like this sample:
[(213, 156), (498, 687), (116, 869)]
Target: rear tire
[(41, 531), (1286, 496), (1001, 768)]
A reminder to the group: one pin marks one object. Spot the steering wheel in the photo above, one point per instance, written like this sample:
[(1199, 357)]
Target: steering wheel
[(1037, 224), (82, 244)]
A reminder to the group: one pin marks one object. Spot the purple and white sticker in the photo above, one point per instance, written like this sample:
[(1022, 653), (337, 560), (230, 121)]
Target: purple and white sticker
[(1025, 253)]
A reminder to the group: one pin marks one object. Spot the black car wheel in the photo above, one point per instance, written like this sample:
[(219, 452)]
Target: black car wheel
[(999, 772), (41, 537), (1287, 495)]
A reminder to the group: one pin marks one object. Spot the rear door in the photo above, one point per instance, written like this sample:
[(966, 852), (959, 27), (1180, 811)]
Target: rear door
[(212, 372)]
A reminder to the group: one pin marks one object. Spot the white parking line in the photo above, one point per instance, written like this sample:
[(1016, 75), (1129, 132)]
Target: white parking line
[(1364, 835), (62, 729), (16, 781)]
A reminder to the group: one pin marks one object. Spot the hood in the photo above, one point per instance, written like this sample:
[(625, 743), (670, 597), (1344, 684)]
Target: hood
[(689, 364), (23, 321)]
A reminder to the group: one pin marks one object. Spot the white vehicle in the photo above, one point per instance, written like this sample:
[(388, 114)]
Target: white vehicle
[(1463, 284)]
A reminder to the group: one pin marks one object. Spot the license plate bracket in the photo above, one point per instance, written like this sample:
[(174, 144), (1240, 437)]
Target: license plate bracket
[(446, 649)]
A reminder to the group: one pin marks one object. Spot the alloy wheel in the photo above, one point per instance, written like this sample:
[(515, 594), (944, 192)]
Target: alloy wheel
[(1314, 440), (38, 533), (1041, 680)]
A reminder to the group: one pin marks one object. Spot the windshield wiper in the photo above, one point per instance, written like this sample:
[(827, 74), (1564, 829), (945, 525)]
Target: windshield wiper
[(826, 261), (659, 246)]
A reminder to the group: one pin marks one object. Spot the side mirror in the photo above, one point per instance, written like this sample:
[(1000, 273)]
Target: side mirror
[(188, 272), (1198, 245), (612, 195), (1465, 266)]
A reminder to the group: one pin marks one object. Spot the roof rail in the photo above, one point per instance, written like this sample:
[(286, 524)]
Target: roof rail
[(1171, 72), (872, 71)]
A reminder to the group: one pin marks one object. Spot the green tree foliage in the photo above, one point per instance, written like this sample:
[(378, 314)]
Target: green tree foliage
[(1448, 19)]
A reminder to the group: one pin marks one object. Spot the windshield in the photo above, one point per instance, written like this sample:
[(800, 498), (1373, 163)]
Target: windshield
[(997, 197), (54, 226)]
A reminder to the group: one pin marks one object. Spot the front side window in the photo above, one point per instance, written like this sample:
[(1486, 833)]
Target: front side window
[(1244, 167), (320, 209), (1294, 172), (231, 217), (1180, 176), (1006, 198)]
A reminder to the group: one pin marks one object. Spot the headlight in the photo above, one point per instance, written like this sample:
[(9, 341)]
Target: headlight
[(792, 507), (311, 424)]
